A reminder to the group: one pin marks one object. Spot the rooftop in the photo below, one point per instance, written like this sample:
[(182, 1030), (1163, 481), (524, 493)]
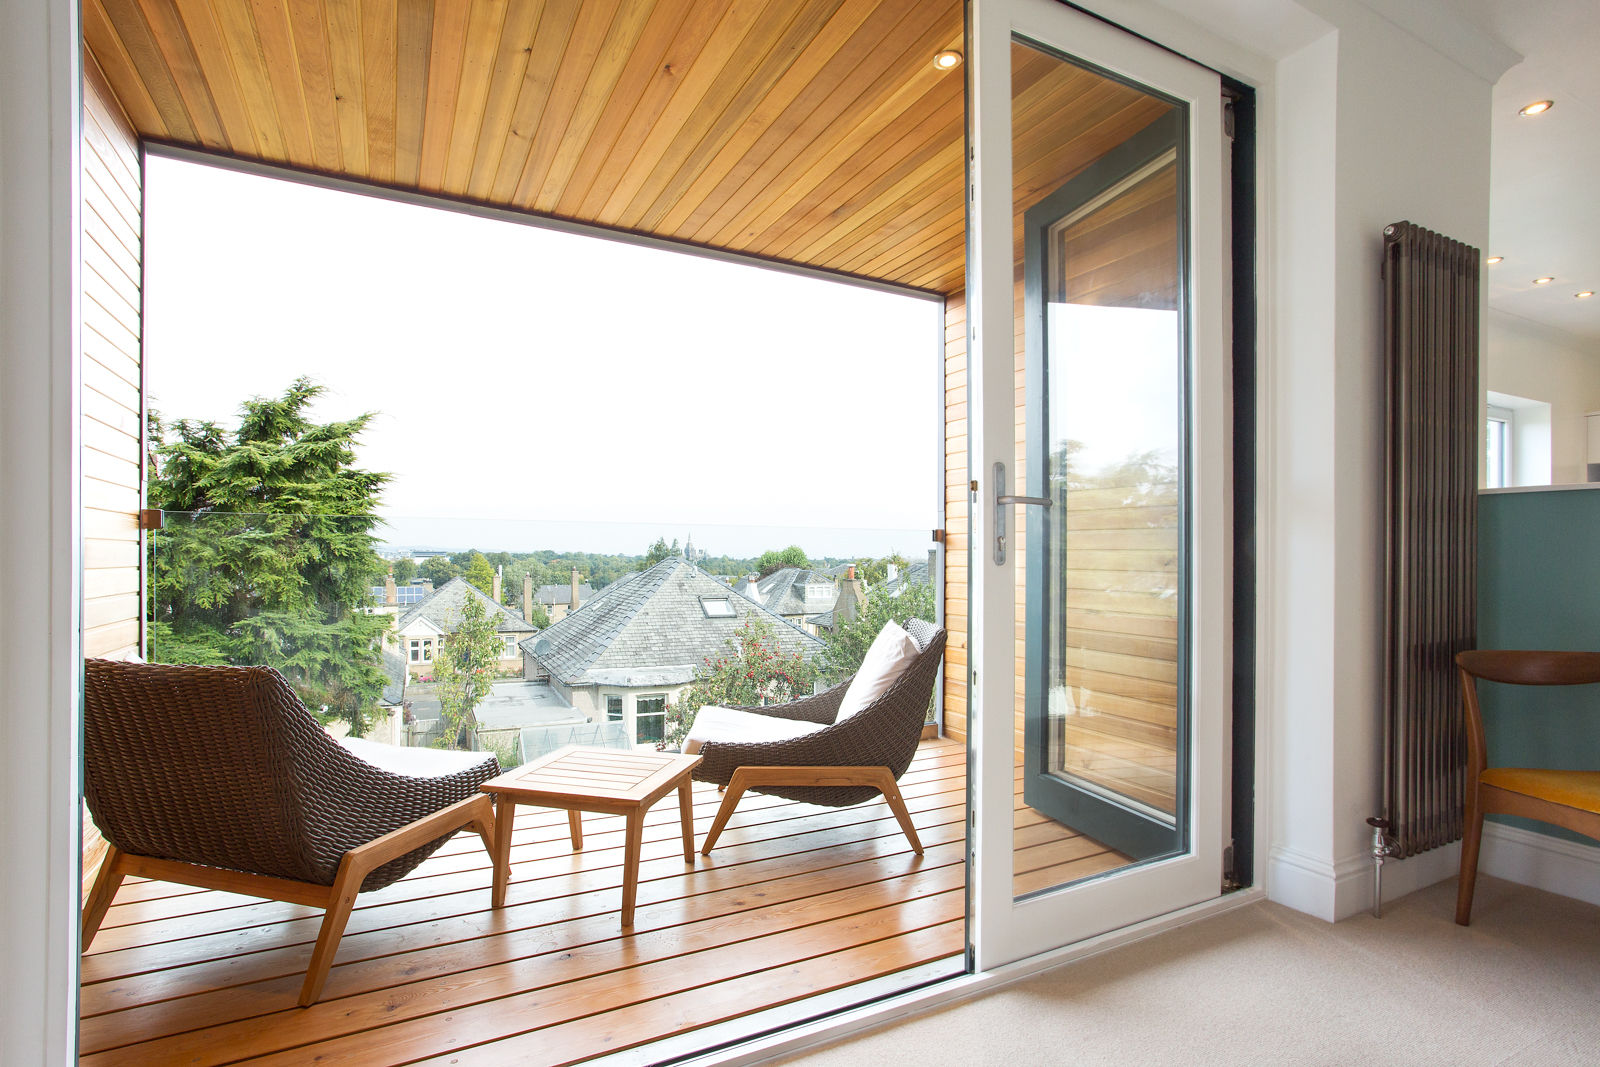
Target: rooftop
[(443, 610)]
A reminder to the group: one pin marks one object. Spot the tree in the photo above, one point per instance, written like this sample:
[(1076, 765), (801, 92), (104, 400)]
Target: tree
[(267, 553), (777, 559), (539, 617), (404, 571), (845, 646), (463, 671), (439, 570), (755, 670), (873, 571), (658, 552), (480, 573)]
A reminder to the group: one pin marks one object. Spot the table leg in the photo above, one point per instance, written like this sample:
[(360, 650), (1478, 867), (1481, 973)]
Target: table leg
[(686, 816), (630, 864), (575, 825), (505, 815)]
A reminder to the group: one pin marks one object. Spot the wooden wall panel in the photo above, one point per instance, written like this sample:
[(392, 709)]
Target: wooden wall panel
[(112, 427)]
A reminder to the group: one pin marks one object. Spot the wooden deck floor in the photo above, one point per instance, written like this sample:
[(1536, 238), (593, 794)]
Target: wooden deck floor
[(795, 901)]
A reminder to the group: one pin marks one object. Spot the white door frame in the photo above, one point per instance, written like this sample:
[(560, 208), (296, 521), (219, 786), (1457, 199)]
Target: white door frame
[(1004, 930)]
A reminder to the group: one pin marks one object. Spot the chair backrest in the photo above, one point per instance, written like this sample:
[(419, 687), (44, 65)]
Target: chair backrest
[(200, 764), (901, 711), (1514, 667)]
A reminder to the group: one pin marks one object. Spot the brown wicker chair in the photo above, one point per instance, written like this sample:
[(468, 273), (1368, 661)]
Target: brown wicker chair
[(848, 762), (219, 777)]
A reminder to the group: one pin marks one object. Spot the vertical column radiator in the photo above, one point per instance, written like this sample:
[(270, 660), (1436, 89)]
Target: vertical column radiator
[(1430, 286)]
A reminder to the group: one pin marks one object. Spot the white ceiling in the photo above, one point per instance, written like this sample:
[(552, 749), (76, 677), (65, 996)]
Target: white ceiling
[(1544, 211)]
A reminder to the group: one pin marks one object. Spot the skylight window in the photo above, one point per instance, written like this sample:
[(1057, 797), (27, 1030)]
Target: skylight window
[(717, 607)]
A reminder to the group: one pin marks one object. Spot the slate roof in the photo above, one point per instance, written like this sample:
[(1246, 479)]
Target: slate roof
[(394, 669), (551, 595), (914, 574), (652, 619), (783, 592), (443, 609)]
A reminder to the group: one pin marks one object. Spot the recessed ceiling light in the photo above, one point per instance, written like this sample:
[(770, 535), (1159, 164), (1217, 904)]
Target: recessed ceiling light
[(949, 59), (1538, 107), (1586, 294), (1492, 260), (1543, 281)]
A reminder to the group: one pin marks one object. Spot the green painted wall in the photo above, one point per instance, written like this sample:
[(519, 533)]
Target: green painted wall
[(1539, 587)]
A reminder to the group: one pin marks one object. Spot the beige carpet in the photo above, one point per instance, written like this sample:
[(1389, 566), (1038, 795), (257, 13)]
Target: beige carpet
[(1266, 985)]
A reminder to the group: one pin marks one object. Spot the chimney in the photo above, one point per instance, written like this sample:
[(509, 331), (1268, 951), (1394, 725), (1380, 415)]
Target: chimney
[(427, 587), (527, 597), (391, 593), (499, 581), (574, 588), (850, 601)]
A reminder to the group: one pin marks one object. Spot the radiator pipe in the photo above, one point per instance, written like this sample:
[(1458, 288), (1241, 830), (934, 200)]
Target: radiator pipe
[(1380, 851)]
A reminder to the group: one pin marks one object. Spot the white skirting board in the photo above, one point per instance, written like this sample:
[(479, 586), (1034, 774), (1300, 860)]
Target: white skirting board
[(1338, 891)]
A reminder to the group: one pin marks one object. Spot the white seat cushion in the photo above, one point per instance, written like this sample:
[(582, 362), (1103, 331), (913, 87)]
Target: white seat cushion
[(891, 653), (413, 762), (713, 723)]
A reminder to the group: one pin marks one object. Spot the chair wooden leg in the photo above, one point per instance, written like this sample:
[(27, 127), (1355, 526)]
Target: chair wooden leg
[(1471, 839), (730, 800), (106, 881), (340, 903), (897, 804)]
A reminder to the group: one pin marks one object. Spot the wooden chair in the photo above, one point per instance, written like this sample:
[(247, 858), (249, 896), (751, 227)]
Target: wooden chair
[(219, 777), (844, 763), (1564, 798)]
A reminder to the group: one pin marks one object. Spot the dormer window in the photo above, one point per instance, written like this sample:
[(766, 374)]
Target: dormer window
[(717, 607)]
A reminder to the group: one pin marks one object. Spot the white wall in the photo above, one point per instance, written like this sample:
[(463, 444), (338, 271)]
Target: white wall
[(1533, 361), (1399, 132), (39, 530)]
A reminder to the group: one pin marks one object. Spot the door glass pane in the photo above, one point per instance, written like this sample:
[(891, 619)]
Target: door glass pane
[(1099, 199)]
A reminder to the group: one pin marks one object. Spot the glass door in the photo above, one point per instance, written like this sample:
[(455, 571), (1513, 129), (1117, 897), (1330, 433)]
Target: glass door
[(1100, 559)]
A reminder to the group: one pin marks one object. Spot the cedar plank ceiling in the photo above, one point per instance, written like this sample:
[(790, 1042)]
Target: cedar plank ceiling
[(815, 132)]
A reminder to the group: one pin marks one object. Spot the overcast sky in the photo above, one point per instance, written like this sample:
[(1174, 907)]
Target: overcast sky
[(543, 390)]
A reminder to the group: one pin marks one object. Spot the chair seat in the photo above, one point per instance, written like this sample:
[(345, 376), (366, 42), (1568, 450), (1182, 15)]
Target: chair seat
[(713, 723), (1575, 789), (414, 762)]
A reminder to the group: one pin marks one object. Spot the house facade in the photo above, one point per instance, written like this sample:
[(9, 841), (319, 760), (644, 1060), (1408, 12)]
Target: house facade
[(421, 631), (632, 650)]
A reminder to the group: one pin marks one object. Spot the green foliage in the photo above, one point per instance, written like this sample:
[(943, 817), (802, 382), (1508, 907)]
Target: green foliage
[(658, 552), (755, 670), (439, 570), (873, 571), (267, 553), (479, 572), (403, 571), (777, 559), (463, 670), (539, 617), (846, 645)]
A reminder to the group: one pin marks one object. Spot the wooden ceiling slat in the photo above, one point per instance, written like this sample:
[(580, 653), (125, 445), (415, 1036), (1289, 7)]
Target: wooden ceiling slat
[(680, 202), (681, 127), (115, 67), (249, 66), (678, 87), (485, 22), (842, 90), (171, 37), (128, 23), (615, 54), (698, 143), (510, 66), (309, 33), (276, 40), (222, 86), (379, 54), (589, 34), (446, 44), (345, 48), (663, 57), (413, 31), (550, 39)]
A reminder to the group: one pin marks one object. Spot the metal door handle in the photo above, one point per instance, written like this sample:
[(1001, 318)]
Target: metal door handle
[(1000, 502)]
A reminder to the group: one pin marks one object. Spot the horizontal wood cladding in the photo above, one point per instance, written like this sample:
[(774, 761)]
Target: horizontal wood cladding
[(112, 304), (817, 132)]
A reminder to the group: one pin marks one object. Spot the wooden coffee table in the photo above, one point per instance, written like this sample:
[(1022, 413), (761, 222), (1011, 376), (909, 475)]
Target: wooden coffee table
[(599, 780)]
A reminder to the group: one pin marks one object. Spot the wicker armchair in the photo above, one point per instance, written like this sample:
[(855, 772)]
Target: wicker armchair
[(845, 763), (219, 777)]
